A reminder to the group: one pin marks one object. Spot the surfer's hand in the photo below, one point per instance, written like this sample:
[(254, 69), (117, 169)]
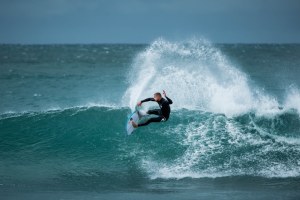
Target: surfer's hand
[(164, 93), (139, 103)]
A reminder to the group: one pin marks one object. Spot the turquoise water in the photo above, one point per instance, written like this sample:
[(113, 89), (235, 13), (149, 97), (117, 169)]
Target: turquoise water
[(234, 130)]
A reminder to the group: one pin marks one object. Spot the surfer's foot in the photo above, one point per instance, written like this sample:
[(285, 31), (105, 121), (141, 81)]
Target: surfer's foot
[(134, 124)]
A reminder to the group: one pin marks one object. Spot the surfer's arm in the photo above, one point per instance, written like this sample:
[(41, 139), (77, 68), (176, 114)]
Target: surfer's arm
[(165, 94), (145, 100), (169, 100), (148, 99)]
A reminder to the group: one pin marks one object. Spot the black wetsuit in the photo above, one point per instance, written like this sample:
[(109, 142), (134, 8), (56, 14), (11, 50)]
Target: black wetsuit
[(162, 114)]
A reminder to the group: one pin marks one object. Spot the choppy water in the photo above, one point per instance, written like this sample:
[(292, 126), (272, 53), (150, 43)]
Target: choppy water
[(234, 127)]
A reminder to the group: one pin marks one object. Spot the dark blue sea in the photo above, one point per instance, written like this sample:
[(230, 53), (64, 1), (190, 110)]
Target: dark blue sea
[(233, 133)]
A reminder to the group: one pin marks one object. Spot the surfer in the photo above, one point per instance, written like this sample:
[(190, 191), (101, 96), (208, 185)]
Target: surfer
[(162, 114)]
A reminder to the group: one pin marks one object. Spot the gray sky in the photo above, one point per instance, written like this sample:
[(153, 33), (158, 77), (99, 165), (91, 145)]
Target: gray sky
[(142, 21)]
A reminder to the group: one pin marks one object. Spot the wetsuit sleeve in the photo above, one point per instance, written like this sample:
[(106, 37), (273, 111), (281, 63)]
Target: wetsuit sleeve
[(169, 100), (148, 99)]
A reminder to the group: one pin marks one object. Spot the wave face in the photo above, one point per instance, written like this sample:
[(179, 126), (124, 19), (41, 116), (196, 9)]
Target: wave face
[(91, 142), (227, 120)]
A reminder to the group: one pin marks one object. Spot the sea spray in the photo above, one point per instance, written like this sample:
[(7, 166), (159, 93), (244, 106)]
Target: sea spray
[(197, 76)]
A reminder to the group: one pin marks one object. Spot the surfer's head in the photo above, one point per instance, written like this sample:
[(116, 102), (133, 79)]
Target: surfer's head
[(157, 96)]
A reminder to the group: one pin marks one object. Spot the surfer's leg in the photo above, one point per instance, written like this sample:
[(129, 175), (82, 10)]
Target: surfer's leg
[(153, 119), (154, 112)]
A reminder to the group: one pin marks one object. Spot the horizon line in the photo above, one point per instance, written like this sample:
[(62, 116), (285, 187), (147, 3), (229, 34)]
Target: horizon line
[(136, 43)]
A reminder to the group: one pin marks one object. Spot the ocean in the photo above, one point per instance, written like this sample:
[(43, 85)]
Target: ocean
[(233, 133)]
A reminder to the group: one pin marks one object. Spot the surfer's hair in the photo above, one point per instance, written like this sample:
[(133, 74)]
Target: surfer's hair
[(157, 94)]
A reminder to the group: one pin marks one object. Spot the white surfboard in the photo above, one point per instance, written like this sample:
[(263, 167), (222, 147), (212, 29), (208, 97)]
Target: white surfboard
[(135, 116)]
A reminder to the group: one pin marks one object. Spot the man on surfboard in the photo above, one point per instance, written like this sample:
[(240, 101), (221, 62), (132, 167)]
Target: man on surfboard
[(162, 114)]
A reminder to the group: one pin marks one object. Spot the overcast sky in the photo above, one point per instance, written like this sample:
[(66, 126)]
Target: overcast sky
[(142, 21)]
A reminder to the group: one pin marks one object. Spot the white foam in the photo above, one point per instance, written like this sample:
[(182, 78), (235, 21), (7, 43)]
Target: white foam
[(204, 142), (195, 75), (292, 99)]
